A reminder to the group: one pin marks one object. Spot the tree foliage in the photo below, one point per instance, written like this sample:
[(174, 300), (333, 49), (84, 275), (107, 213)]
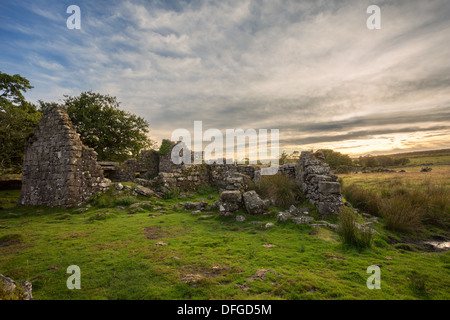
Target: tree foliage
[(12, 88), (336, 159), (283, 158), (113, 133), (381, 161), (18, 118)]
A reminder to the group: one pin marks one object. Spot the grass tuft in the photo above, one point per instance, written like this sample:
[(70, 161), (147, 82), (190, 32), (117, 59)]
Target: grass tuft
[(350, 234), (284, 190)]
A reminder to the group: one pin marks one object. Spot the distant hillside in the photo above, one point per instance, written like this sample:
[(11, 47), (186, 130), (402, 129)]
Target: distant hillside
[(421, 154), (430, 157)]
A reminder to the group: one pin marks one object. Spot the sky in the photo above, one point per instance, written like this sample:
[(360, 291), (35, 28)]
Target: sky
[(311, 69)]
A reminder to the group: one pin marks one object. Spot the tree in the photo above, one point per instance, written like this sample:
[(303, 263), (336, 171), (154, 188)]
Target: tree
[(113, 133), (12, 88), (18, 118), (336, 159), (283, 158)]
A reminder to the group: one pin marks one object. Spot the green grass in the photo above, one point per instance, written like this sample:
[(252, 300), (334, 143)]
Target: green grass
[(350, 235), (206, 258)]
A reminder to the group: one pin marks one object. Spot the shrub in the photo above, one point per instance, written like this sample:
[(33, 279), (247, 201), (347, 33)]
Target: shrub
[(165, 148), (284, 190), (399, 214), (343, 169), (350, 234), (125, 201), (103, 201), (173, 193)]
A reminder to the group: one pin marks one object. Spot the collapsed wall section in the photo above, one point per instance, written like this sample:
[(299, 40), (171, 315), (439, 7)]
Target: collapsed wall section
[(319, 185)]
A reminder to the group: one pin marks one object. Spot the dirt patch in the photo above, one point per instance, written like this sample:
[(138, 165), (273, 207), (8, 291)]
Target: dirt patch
[(261, 274), (155, 232), (334, 256), (192, 278), (243, 287), (200, 275), (10, 239), (159, 232)]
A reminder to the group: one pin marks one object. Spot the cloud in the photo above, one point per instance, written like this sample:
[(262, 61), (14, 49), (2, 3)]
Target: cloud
[(311, 69)]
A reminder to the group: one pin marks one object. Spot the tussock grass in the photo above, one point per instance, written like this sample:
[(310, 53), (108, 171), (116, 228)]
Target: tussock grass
[(173, 193), (125, 200), (404, 207), (350, 235), (400, 215), (284, 190), (363, 199)]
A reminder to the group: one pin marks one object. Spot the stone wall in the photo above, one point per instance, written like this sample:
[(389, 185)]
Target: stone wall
[(320, 187), (289, 170), (191, 176), (58, 170)]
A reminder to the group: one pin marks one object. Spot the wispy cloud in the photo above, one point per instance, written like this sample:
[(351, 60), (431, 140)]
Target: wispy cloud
[(311, 69)]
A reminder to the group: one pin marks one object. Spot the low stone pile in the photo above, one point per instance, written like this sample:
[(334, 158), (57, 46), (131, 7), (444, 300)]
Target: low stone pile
[(230, 202), (233, 200), (254, 204), (10, 290), (295, 215)]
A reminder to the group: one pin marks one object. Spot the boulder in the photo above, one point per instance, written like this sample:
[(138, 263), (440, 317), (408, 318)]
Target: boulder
[(254, 204), (293, 210), (328, 187), (201, 205), (119, 186), (10, 290), (143, 182), (283, 216), (302, 220), (143, 191), (230, 202)]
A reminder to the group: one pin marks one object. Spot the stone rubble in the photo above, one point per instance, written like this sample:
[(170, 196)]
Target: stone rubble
[(254, 204), (10, 290), (319, 185)]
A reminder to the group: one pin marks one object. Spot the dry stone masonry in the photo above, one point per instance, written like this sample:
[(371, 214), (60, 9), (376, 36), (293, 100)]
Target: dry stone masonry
[(58, 170), (320, 187)]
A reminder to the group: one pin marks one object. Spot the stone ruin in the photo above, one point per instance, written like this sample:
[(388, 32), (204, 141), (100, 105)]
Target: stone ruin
[(158, 171), (58, 170), (318, 184)]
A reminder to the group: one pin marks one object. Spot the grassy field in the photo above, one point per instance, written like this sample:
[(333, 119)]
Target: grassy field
[(435, 157), (163, 252), (412, 177)]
